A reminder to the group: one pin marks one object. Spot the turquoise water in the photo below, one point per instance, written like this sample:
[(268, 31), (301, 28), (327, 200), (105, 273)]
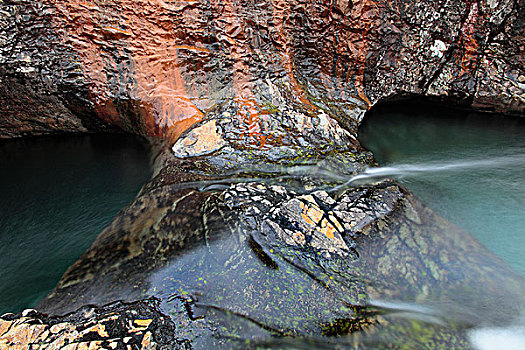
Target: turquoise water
[(469, 167), (57, 194)]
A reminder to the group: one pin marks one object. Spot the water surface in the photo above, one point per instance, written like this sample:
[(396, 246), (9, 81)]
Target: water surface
[(57, 194), (469, 167)]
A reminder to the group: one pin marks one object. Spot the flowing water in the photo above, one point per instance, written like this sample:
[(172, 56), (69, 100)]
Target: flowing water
[(470, 168), (57, 193), (467, 167)]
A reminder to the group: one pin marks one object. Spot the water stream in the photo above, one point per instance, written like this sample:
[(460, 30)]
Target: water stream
[(469, 167)]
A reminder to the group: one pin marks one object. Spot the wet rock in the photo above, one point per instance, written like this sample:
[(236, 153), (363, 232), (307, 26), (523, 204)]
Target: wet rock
[(154, 228), (376, 233), (138, 325), (244, 99)]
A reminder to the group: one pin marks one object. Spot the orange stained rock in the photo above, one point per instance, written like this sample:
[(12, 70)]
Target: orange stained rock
[(368, 12), (249, 112), (146, 342), (311, 214), (192, 48), (20, 334), (250, 115), (349, 47), (202, 140), (142, 323), (4, 326), (469, 58), (159, 82), (24, 333), (327, 229), (100, 329), (299, 238), (130, 49)]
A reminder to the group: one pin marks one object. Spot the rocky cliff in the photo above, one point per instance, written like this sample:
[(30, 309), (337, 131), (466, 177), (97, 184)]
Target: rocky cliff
[(81, 65)]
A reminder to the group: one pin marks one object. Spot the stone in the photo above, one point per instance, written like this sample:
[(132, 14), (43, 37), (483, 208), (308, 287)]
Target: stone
[(202, 140), (109, 326), (108, 69)]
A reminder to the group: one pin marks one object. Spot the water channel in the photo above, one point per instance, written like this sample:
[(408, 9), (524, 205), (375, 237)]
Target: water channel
[(469, 167)]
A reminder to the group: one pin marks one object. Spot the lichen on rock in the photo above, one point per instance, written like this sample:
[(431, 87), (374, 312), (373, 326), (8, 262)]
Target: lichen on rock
[(136, 325)]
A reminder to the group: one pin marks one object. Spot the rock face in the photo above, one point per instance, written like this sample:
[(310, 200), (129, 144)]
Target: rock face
[(255, 108), (67, 65)]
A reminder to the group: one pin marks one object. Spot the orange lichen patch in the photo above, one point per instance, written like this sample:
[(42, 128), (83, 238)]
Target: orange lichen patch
[(4, 326), (249, 116), (336, 223), (26, 333), (299, 238), (327, 229), (146, 341), (100, 329), (143, 323), (139, 325), (20, 334), (311, 214), (60, 327)]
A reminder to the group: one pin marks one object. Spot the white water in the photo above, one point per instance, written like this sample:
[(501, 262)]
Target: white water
[(400, 171), (509, 338)]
